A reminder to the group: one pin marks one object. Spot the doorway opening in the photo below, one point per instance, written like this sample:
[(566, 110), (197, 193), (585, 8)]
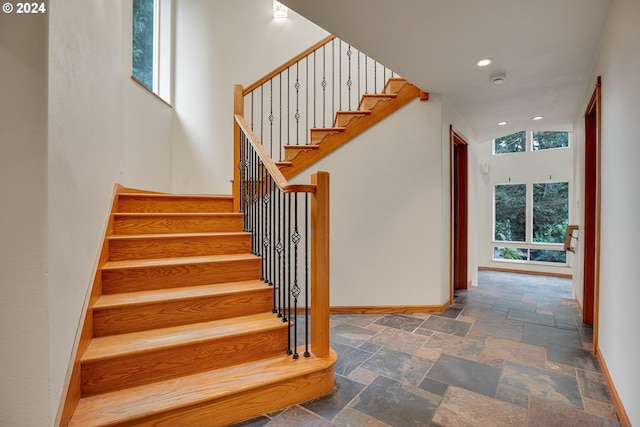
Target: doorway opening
[(592, 190), (459, 176)]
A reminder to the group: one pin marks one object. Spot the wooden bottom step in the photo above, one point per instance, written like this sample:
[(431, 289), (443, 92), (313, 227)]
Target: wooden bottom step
[(119, 361), (212, 398)]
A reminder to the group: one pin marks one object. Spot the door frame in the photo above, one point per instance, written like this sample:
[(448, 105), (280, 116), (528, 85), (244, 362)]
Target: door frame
[(592, 205), (459, 211)]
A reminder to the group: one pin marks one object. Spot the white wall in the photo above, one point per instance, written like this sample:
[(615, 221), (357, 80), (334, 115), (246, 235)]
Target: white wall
[(386, 212), (24, 372), (220, 44), (618, 63), (517, 168), (98, 121)]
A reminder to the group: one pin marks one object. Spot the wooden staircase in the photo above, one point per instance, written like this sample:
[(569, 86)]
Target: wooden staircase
[(179, 329), (348, 124)]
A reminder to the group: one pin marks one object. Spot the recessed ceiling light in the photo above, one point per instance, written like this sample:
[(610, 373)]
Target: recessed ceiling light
[(280, 10), (538, 117), (484, 62), (502, 123)]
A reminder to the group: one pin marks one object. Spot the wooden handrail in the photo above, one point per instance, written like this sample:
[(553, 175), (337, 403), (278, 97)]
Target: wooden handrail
[(286, 65), (275, 173)]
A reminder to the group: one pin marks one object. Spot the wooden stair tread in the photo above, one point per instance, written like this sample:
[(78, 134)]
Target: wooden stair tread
[(176, 235), (176, 196), (108, 347), (177, 214), (134, 403), (165, 295), (333, 129), (380, 95), (175, 261), (302, 147)]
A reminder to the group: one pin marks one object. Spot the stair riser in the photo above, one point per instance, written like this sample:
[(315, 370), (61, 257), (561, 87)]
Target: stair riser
[(243, 406), (369, 102), (150, 316), (164, 277), (343, 120), (292, 153), (318, 135), (144, 248), (141, 203), (128, 371), (175, 224), (395, 85)]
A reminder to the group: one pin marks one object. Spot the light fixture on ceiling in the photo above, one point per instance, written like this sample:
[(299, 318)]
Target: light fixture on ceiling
[(502, 123), (484, 62), (498, 78), (280, 10), (538, 117)]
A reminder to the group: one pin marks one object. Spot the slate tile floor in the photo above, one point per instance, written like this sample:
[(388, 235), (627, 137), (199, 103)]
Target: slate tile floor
[(511, 352)]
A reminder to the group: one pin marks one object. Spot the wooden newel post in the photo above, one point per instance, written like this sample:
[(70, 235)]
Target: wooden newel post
[(320, 265), (238, 108)]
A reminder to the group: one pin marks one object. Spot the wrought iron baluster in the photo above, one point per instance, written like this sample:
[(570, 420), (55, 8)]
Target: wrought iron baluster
[(340, 74), (324, 87), (366, 75), (295, 290), (306, 111), (271, 117), (288, 289), (315, 65), (280, 119), (375, 77), (288, 109), (349, 81), (306, 275), (359, 96), (297, 116)]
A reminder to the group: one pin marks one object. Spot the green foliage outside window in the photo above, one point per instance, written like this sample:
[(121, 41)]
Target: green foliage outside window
[(550, 212), (546, 140), (511, 212), (514, 143), (142, 49)]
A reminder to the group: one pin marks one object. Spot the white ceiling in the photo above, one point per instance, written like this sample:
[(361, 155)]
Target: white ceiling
[(545, 47)]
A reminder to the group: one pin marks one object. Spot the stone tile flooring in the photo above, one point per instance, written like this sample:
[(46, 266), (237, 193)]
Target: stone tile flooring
[(511, 352)]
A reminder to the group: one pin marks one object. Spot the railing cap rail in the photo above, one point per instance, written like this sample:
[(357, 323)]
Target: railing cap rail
[(286, 65), (275, 173)]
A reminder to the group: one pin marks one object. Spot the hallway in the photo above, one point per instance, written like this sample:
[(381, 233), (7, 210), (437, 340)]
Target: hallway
[(510, 352)]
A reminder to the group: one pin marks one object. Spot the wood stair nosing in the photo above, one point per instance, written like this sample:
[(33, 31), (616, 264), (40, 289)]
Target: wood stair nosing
[(141, 246), (147, 274), (120, 361), (172, 222), (230, 387), (139, 202), (139, 311)]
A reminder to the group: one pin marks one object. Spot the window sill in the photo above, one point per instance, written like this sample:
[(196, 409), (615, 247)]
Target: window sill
[(150, 91)]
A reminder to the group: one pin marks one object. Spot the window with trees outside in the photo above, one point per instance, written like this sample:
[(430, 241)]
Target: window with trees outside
[(151, 45), (143, 42), (531, 220), (538, 140)]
